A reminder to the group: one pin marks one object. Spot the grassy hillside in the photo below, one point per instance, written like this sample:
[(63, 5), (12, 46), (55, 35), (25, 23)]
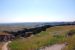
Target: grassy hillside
[(70, 41), (51, 36)]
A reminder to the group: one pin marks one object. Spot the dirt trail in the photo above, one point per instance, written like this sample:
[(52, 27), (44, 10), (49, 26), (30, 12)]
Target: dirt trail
[(55, 47), (5, 45)]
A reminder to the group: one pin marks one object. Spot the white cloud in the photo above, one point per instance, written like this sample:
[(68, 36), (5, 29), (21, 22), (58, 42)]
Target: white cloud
[(26, 19), (34, 19)]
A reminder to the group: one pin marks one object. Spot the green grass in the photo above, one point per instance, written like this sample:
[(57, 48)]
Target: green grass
[(71, 41), (49, 37)]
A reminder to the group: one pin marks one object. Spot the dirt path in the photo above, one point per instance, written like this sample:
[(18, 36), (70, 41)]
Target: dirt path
[(5, 46), (54, 47)]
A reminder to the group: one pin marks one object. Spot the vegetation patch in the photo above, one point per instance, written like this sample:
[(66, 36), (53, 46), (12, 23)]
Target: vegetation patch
[(70, 41), (51, 36)]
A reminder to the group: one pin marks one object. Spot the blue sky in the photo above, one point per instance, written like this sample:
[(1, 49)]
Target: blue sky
[(36, 10)]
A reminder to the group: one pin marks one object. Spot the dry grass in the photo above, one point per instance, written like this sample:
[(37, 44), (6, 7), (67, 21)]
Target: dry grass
[(71, 43), (50, 36)]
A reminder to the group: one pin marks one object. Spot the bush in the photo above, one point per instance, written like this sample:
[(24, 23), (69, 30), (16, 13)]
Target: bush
[(71, 33)]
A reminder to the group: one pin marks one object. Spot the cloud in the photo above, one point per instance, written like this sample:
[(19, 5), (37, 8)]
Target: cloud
[(34, 19)]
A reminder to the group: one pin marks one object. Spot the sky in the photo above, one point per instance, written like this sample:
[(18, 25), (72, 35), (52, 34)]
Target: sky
[(36, 11)]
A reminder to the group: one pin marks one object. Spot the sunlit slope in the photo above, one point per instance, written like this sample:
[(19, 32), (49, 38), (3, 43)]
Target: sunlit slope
[(51, 36)]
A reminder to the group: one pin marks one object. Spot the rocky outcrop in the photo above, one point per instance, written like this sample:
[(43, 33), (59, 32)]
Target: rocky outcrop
[(6, 37), (27, 32)]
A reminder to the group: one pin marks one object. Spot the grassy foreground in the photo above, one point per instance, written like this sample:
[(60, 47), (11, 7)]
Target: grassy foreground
[(71, 43), (50, 36)]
